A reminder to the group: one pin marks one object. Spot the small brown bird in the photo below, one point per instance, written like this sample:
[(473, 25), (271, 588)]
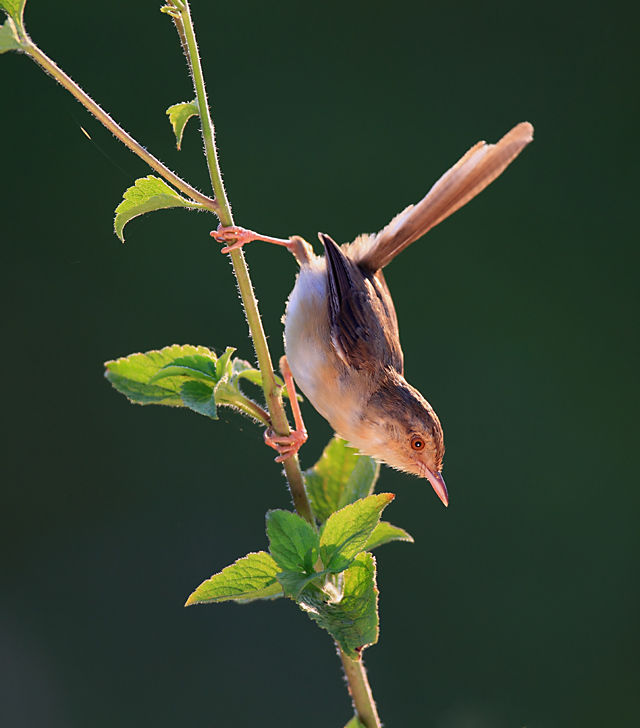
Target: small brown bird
[(341, 332)]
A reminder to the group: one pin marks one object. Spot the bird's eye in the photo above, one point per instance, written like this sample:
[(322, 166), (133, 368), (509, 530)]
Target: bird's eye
[(417, 443)]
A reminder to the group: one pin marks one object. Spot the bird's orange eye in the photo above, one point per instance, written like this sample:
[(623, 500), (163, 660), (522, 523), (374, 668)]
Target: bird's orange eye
[(417, 443)]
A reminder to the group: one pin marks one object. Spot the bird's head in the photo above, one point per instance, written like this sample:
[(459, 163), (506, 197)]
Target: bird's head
[(399, 427)]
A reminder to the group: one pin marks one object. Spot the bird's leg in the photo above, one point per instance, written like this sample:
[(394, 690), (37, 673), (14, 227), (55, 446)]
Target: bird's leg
[(288, 445), (242, 236)]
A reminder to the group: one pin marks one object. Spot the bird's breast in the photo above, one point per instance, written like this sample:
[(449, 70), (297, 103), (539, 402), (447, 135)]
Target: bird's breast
[(328, 384)]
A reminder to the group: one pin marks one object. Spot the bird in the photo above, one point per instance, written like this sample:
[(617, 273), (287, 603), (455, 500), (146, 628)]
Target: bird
[(341, 337)]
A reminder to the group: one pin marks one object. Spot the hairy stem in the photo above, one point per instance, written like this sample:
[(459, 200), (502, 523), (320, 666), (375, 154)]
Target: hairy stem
[(64, 80), (272, 393), (360, 691)]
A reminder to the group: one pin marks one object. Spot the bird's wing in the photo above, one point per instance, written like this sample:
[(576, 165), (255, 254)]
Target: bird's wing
[(364, 327), (477, 169)]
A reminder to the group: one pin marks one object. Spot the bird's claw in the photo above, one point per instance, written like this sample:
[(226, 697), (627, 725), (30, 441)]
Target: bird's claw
[(286, 445), (240, 235)]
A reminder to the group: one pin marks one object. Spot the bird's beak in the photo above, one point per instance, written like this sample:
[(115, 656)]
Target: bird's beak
[(438, 485)]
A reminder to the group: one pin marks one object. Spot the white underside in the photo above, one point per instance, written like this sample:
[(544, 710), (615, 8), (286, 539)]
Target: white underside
[(311, 355)]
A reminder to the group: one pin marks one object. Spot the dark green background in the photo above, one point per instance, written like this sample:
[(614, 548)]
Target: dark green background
[(517, 606)]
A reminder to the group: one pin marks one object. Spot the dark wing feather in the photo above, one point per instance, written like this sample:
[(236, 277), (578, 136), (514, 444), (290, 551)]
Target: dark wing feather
[(364, 327), (477, 169)]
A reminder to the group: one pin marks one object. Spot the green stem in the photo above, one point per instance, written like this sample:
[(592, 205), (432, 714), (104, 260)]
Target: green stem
[(249, 407), (61, 77), (360, 690), (271, 390), (184, 25)]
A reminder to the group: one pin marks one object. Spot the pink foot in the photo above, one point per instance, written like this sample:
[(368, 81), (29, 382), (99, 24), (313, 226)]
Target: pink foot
[(286, 445), (239, 236)]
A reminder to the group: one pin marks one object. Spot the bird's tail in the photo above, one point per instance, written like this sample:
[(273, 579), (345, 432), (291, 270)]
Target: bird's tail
[(477, 169)]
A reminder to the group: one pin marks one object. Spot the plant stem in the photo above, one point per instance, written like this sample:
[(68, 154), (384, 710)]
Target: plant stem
[(360, 690), (61, 77), (272, 394)]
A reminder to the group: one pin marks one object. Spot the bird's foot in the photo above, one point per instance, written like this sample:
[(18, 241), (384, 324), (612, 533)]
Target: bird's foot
[(286, 445), (239, 236)]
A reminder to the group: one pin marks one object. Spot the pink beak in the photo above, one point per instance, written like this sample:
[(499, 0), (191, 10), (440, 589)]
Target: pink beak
[(438, 485)]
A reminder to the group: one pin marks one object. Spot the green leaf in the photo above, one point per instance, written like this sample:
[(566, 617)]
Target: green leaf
[(185, 376), (9, 38), (200, 398), (293, 582), (224, 365), (130, 375), (361, 481), (179, 115), (243, 370), (293, 542), (385, 533), (148, 194), (340, 477), (347, 531), (354, 723), (353, 621), (252, 577), (194, 367), (14, 8)]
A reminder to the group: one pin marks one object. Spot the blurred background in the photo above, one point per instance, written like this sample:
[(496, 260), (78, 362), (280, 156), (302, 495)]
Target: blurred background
[(519, 604)]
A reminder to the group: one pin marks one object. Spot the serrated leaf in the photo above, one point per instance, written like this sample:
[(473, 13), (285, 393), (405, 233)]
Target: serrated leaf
[(240, 366), (353, 621), (383, 533), (9, 38), (148, 194), (346, 532), (252, 577), (195, 367), (200, 398), (293, 542), (179, 115), (141, 393), (340, 477), (14, 8), (130, 375)]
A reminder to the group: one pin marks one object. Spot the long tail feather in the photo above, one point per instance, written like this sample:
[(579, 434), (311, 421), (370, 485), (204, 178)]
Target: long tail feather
[(477, 169)]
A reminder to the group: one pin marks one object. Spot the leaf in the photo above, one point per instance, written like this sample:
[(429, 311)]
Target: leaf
[(148, 194), (9, 38), (340, 477), (385, 533), (195, 367), (293, 582), (224, 365), (252, 577), (243, 370), (361, 481), (179, 115), (200, 398), (347, 531), (354, 723), (14, 8), (293, 542), (130, 375), (353, 621)]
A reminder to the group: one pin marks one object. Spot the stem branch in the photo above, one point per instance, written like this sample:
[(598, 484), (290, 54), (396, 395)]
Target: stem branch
[(272, 394), (360, 691), (61, 77)]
